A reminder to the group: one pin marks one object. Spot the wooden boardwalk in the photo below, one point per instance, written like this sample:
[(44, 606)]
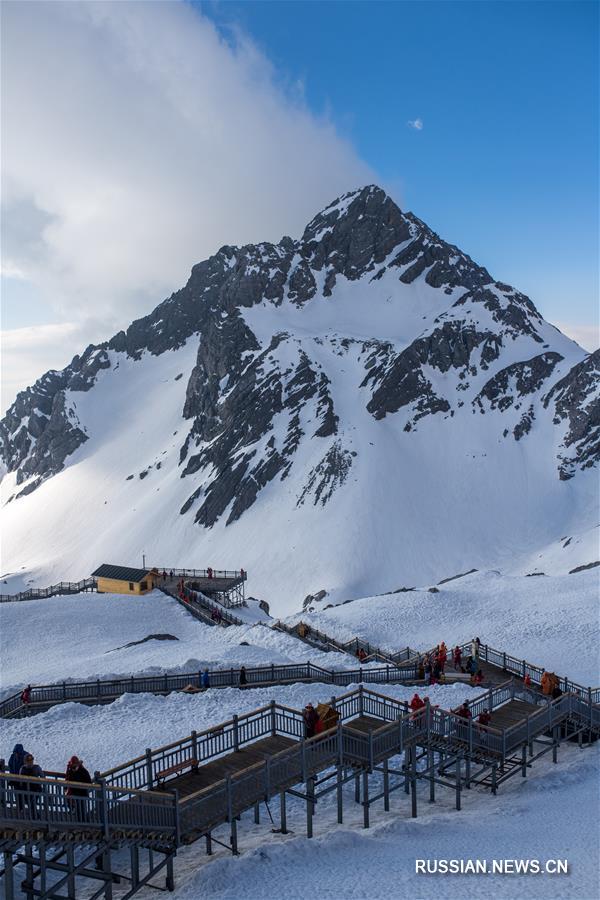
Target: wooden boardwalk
[(261, 755)]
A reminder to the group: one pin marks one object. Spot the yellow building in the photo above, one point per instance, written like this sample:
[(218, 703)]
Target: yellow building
[(122, 580)]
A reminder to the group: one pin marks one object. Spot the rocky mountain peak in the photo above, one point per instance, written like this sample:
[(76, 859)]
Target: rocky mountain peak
[(436, 337)]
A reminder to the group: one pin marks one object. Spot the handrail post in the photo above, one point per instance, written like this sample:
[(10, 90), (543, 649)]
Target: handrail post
[(273, 718), (149, 775), (236, 734), (194, 737), (105, 825), (360, 698), (177, 822)]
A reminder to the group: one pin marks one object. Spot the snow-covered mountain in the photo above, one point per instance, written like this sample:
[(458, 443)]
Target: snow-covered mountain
[(357, 410)]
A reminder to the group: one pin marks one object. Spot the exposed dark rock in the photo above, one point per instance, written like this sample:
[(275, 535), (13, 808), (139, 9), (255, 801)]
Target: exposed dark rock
[(576, 400), (514, 382), (402, 381), (150, 637), (327, 475), (591, 565), (454, 577), (524, 424)]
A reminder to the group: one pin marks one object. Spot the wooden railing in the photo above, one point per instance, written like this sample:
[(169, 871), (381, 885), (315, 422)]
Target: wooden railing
[(521, 668), (63, 587), (316, 637), (229, 574), (27, 802), (202, 607), (104, 690), (122, 799)]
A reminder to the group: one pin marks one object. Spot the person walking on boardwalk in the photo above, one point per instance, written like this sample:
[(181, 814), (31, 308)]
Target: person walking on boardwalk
[(311, 718), (205, 680), (475, 648), (416, 704), (471, 666), (546, 683), (484, 718), (477, 678), (26, 698), (243, 678), (16, 759), (457, 658), (31, 790), (427, 667), (76, 796), (463, 711), (442, 655)]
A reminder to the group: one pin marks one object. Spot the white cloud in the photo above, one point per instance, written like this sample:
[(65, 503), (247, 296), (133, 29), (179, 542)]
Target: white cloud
[(417, 124), (587, 336), (136, 141)]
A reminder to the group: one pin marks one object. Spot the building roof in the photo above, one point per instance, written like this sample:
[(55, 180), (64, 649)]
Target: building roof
[(121, 573)]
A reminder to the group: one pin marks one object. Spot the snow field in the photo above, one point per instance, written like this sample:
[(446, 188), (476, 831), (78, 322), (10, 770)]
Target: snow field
[(78, 637)]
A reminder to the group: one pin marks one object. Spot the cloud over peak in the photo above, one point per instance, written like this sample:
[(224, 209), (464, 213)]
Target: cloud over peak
[(136, 141)]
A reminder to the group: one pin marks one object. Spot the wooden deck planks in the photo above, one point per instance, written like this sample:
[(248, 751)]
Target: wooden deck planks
[(511, 713), (364, 724), (220, 768)]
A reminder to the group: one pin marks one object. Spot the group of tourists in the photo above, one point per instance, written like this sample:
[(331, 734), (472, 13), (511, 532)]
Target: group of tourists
[(432, 667), (28, 793)]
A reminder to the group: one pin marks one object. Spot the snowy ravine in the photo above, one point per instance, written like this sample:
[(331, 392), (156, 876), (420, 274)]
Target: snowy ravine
[(356, 410)]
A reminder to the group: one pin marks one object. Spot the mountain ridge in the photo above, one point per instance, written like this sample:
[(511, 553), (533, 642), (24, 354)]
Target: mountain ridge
[(303, 347)]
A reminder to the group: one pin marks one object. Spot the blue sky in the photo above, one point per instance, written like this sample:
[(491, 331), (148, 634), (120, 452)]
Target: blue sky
[(506, 163), (138, 137)]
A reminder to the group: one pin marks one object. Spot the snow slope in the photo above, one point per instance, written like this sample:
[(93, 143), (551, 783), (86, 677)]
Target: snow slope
[(550, 621)]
